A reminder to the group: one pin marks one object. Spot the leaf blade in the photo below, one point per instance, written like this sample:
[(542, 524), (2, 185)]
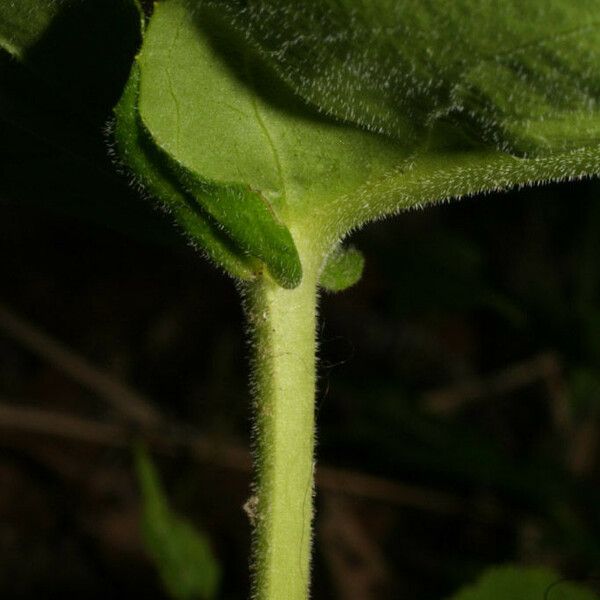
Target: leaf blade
[(182, 554), (136, 151), (510, 71)]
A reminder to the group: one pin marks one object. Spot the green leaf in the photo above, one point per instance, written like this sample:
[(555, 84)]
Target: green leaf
[(344, 268), (245, 215), (141, 156), (522, 76), (23, 23), (59, 78), (207, 102), (227, 91), (520, 583), (182, 554)]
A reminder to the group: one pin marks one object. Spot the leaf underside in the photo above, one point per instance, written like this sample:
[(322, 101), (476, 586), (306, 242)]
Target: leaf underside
[(520, 75), (259, 124), (257, 146), (342, 112)]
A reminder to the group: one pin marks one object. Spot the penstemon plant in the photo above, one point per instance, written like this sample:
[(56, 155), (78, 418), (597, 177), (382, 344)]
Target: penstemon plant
[(272, 129)]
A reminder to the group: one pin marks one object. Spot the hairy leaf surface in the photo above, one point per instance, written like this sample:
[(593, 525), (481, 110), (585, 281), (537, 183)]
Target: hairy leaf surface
[(520, 75), (23, 23), (208, 101), (459, 98), (140, 154)]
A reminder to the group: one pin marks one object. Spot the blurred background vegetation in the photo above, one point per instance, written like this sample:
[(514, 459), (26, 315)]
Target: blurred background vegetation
[(459, 395), (462, 374)]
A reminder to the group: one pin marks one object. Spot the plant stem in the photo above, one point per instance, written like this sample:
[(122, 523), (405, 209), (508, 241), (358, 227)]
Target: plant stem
[(283, 324)]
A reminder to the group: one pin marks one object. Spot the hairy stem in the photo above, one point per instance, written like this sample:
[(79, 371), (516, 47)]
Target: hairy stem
[(283, 325)]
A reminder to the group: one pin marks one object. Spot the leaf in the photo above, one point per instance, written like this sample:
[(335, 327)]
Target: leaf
[(519, 583), (522, 76), (139, 153), (246, 216), (60, 78), (197, 205), (207, 102), (343, 268), (23, 23), (235, 93), (181, 553)]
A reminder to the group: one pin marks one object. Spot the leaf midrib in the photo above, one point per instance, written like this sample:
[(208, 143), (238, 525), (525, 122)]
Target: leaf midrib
[(263, 126)]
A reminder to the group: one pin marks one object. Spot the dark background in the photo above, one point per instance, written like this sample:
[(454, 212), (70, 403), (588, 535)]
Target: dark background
[(465, 366), (459, 394)]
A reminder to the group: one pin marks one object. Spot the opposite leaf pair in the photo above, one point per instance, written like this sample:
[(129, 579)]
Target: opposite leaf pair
[(223, 117)]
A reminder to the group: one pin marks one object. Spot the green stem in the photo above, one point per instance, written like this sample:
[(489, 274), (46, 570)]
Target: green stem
[(283, 324)]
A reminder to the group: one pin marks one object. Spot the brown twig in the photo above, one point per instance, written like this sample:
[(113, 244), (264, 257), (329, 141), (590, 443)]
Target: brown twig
[(544, 367), (168, 436), (378, 489), (223, 454), (39, 421), (121, 397), (358, 567)]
